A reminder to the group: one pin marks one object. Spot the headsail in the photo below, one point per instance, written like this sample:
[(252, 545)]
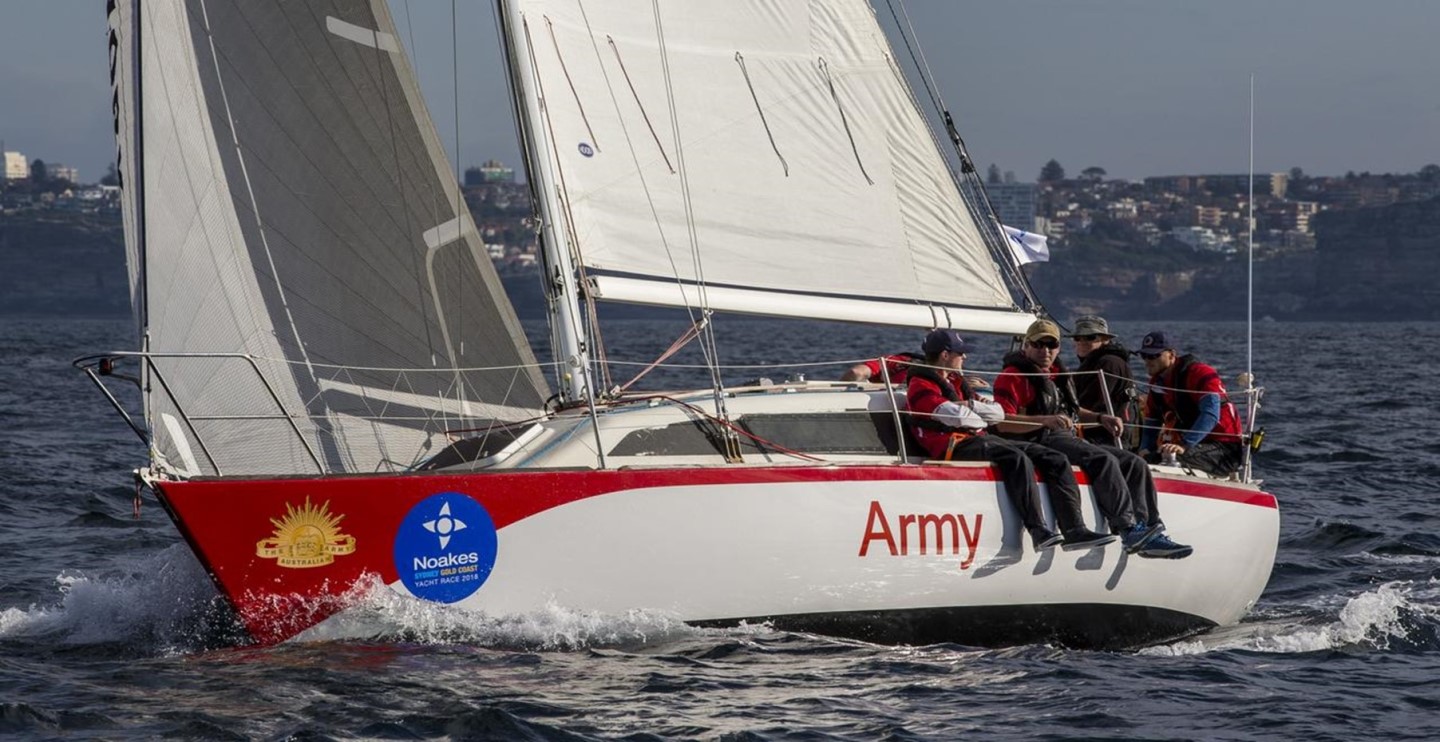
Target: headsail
[(298, 209), (778, 137)]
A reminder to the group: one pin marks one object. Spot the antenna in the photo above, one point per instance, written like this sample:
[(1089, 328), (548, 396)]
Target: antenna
[(1250, 288), (1247, 379)]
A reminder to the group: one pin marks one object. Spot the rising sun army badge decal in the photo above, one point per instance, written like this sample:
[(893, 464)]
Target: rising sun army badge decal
[(307, 536)]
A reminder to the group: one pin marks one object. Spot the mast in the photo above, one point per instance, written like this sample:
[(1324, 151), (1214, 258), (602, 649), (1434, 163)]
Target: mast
[(567, 329)]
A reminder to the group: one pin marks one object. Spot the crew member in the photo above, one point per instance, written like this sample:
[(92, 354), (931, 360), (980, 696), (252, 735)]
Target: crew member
[(1040, 410), (1188, 397), (950, 422)]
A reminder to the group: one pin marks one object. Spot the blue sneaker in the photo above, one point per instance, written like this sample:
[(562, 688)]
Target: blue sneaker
[(1139, 535), (1161, 547)]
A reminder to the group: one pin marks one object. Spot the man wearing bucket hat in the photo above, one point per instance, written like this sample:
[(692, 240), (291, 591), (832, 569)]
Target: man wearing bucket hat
[(1040, 407), (1103, 380), (1187, 397)]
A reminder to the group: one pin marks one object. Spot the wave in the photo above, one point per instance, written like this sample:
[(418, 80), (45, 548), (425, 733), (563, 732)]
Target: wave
[(1404, 614), (163, 603), (1328, 536), (378, 613)]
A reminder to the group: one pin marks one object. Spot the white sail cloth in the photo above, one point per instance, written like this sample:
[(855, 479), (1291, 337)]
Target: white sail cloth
[(777, 138)]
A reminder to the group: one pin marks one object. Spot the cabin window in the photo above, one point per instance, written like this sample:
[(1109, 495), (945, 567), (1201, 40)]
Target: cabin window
[(857, 432)]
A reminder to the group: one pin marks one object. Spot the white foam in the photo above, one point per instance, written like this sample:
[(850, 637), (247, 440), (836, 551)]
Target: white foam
[(155, 601), (380, 613), (1372, 619)]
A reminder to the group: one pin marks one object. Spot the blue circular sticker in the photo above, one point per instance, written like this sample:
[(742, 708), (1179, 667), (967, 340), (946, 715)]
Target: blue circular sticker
[(445, 548), (587, 150)]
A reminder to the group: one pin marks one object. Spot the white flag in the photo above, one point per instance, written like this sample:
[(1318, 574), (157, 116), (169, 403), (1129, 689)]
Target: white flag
[(1027, 247)]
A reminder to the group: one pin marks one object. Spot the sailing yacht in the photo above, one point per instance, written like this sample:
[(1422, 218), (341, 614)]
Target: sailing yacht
[(338, 396)]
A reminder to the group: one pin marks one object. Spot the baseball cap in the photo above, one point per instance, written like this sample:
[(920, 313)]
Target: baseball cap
[(944, 338), (1042, 328), (1156, 343)]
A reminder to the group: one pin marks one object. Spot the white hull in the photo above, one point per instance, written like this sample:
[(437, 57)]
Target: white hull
[(859, 546)]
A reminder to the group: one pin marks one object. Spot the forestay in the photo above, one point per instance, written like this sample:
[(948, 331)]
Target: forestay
[(287, 198), (776, 137)]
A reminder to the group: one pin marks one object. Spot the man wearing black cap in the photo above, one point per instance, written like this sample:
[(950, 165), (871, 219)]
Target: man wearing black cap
[(950, 422), (1040, 407), (1103, 380), (1188, 397)]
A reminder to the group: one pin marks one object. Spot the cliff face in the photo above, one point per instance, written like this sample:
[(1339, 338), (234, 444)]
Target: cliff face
[(1379, 263), (1371, 264)]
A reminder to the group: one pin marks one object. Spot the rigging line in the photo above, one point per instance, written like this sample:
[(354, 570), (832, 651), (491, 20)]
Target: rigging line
[(762, 442), (712, 352), (297, 198), (639, 171), (638, 103), (460, 209), (825, 71), (377, 153), (740, 60), (416, 262), (305, 99), (592, 314), (254, 203), (920, 63), (690, 333), (580, 106)]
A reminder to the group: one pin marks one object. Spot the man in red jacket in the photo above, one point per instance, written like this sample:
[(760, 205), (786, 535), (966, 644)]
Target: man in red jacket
[(1188, 397), (1040, 407), (950, 421)]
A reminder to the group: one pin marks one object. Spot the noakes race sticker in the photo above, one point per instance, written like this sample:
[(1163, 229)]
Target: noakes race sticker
[(445, 548)]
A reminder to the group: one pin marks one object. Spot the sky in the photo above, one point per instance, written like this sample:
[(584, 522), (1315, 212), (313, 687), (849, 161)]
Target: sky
[(1137, 87)]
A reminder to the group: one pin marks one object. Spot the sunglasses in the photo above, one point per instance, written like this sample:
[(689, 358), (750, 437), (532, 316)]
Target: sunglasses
[(1046, 343), (1087, 338)]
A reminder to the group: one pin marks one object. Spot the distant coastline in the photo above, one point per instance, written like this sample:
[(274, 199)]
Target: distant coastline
[(1369, 264)]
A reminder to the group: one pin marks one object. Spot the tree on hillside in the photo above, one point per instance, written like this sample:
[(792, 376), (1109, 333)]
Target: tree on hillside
[(112, 176), (993, 174), (1093, 173), (1052, 172), (39, 174), (1430, 173)]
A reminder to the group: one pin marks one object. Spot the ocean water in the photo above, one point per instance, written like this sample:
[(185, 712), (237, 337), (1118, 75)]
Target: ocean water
[(109, 628)]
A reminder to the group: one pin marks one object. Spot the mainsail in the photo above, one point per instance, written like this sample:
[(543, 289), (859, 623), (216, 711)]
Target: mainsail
[(291, 218), (770, 151)]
